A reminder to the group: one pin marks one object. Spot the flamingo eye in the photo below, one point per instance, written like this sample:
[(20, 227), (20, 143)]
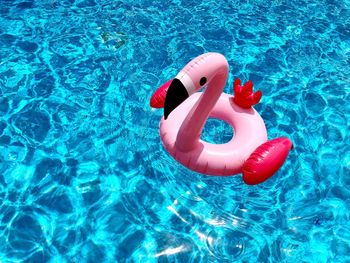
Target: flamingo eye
[(203, 81)]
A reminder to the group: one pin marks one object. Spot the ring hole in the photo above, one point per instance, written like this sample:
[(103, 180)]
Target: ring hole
[(217, 131)]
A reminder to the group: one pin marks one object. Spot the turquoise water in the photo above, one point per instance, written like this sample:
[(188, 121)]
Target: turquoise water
[(84, 177)]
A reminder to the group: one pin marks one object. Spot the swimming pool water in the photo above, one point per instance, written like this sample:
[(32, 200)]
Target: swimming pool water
[(84, 177)]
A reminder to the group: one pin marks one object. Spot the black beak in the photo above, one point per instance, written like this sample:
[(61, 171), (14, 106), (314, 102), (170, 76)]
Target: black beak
[(176, 94)]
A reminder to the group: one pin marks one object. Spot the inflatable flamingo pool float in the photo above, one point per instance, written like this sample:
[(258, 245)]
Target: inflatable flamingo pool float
[(186, 110)]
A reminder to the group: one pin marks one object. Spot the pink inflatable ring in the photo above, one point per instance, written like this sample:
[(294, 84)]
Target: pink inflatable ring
[(186, 110)]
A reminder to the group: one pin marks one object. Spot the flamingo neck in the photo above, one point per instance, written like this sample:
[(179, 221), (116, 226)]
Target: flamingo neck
[(191, 128)]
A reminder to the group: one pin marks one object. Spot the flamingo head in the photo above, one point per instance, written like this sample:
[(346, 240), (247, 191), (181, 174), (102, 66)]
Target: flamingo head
[(193, 77)]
